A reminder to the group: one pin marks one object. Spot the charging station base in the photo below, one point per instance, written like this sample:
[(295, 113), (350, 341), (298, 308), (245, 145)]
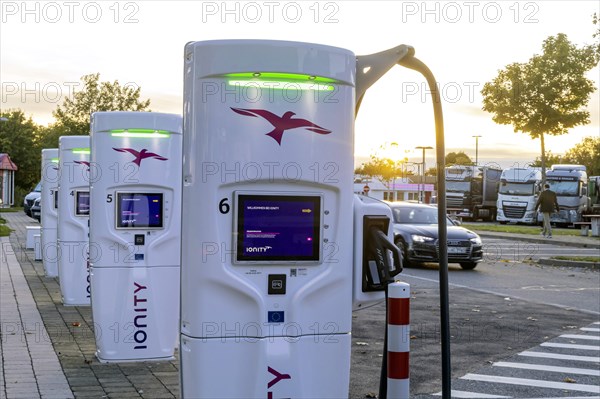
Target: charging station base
[(311, 366), (135, 312)]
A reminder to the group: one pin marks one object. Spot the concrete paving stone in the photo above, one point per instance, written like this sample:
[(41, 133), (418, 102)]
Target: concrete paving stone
[(23, 395), (89, 394), (128, 389), (82, 381), (123, 396), (57, 395), (157, 394)]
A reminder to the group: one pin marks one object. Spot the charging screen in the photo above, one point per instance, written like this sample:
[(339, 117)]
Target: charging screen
[(139, 210), (82, 203), (278, 228)]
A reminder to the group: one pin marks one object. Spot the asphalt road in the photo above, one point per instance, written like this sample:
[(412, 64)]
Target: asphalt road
[(503, 308)]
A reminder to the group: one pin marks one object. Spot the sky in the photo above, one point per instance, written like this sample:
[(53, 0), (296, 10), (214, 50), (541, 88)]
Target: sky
[(46, 46)]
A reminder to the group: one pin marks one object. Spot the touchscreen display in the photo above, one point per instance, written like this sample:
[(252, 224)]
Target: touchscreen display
[(139, 210), (82, 203), (278, 228)]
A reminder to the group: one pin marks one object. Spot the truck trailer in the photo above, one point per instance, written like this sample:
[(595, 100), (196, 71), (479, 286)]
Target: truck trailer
[(472, 191)]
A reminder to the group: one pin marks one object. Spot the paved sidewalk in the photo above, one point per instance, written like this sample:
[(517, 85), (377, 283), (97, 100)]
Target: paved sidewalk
[(67, 333), (29, 368)]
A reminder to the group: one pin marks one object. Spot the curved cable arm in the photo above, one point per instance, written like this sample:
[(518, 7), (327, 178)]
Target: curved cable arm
[(369, 69)]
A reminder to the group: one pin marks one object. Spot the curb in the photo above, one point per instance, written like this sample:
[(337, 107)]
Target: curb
[(555, 241), (568, 263)]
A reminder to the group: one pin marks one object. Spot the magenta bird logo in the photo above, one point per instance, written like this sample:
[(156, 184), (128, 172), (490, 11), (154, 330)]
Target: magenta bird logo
[(141, 155), (86, 163), (281, 123)]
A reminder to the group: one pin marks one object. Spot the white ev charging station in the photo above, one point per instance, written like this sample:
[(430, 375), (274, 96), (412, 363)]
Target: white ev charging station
[(49, 218), (273, 239), (135, 231), (73, 219)]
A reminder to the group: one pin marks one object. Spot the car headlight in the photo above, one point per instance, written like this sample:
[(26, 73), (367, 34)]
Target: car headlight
[(475, 240), (418, 238)]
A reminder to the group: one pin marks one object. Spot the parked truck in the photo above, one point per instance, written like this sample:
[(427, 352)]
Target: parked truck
[(517, 194), (570, 183), (472, 191)]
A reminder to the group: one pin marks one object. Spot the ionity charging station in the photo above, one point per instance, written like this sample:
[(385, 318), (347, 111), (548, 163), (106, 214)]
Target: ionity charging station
[(276, 249), (136, 231), (49, 204), (73, 219)]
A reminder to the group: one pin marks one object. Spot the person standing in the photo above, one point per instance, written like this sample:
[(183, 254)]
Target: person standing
[(547, 203)]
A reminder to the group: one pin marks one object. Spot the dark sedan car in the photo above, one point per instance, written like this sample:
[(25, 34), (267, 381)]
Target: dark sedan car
[(416, 234), (36, 209)]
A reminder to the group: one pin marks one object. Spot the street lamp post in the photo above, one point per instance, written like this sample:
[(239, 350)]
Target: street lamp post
[(422, 192), (476, 149)]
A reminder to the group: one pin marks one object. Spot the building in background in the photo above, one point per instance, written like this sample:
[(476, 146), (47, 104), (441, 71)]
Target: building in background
[(400, 189), (7, 181)]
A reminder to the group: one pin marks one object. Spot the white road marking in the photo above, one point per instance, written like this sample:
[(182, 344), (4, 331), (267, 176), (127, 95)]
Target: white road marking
[(576, 336), (590, 329), (533, 383), (541, 367), (571, 346), (465, 394), (592, 359)]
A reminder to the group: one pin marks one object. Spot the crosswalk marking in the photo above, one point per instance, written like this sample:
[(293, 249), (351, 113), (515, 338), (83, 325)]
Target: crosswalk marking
[(571, 346), (465, 394), (541, 367), (593, 359), (576, 336), (590, 329), (533, 383)]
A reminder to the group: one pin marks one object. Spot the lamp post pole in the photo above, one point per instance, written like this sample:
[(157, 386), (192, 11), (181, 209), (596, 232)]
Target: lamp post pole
[(422, 192), (476, 149)]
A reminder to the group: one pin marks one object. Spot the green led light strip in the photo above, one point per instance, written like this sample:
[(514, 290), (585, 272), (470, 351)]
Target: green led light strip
[(55, 160), (142, 133), (81, 151), (281, 81)]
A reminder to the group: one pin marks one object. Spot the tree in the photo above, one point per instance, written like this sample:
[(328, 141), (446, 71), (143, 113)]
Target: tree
[(587, 153), (73, 116), (18, 138), (551, 159), (458, 158), (546, 95), (383, 168)]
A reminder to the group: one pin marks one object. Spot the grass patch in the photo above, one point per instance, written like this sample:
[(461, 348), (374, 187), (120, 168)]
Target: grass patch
[(518, 229), (595, 259), (7, 210), (4, 229)]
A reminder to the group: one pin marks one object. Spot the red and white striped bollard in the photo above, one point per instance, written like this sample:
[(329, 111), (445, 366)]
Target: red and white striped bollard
[(398, 328)]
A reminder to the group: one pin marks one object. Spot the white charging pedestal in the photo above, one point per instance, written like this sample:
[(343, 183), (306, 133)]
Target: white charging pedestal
[(266, 291), (73, 219), (135, 232), (49, 218)]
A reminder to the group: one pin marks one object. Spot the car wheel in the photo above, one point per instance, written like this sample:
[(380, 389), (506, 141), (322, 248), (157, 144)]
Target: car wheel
[(468, 265), (404, 248)]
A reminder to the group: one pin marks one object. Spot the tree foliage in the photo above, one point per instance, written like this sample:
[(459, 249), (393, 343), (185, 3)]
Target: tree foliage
[(586, 153), (546, 95), (73, 116), (384, 169), (18, 138), (458, 158)]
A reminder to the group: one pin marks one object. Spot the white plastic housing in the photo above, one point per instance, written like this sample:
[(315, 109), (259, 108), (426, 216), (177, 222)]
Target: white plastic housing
[(228, 150), (49, 219), (73, 229), (135, 154)]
